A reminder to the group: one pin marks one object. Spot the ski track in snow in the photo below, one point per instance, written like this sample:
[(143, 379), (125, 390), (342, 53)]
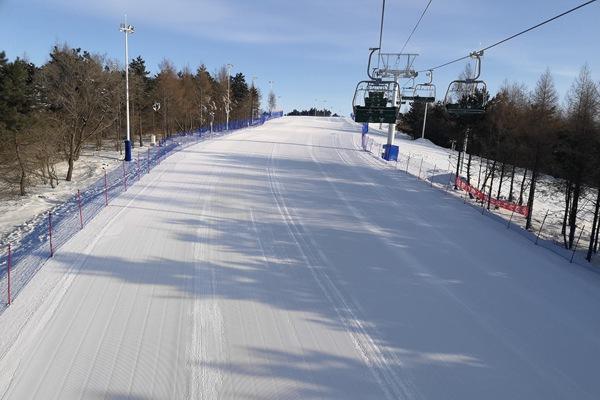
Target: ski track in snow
[(207, 331), (282, 262), (369, 351)]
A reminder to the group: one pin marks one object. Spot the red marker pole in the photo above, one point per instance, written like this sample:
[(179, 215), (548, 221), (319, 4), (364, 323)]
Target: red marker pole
[(80, 212), (50, 233), (9, 266), (105, 189)]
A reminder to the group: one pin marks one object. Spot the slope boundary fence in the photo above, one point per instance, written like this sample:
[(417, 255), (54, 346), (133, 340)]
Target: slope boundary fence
[(20, 261), (443, 177)]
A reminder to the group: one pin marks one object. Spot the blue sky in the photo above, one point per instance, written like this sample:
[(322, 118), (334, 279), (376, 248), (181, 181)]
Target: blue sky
[(314, 49)]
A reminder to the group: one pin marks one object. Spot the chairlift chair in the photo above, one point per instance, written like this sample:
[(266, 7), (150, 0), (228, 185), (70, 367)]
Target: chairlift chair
[(375, 100), (425, 92), (408, 92), (467, 96)]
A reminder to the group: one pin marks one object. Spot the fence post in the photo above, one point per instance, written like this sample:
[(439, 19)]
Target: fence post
[(420, 166), (105, 189), (407, 164), (510, 220), (148, 161), (124, 177), (576, 244), (80, 212), (50, 233), (483, 203), (9, 267), (450, 178), (540, 231)]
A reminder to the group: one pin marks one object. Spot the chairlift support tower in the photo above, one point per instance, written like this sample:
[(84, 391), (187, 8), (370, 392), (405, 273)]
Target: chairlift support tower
[(395, 66)]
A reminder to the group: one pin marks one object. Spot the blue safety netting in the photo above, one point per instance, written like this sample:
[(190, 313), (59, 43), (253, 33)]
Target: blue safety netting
[(34, 248)]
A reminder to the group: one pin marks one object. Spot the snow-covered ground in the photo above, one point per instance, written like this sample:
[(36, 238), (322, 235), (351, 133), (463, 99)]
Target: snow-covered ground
[(549, 193), (20, 214), (283, 262)]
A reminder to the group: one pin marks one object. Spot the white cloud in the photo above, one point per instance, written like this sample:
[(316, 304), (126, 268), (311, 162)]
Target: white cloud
[(264, 22)]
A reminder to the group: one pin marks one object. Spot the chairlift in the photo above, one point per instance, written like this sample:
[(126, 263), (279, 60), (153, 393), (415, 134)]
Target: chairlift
[(425, 92), (408, 92), (467, 96), (375, 100)]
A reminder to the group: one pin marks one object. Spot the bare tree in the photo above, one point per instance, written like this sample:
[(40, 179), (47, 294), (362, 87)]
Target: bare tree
[(542, 117), (272, 101), (79, 94), (573, 154)]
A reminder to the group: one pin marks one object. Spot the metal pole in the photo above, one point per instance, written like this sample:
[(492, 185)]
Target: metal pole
[(252, 102), (392, 127), (450, 179), (50, 233), (105, 189), (128, 139), (228, 95), (424, 121), (9, 267), (510, 220), (381, 26), (80, 212), (542, 226), (124, 178), (577, 244)]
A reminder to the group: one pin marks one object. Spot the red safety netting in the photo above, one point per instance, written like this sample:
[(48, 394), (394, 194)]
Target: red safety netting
[(478, 194)]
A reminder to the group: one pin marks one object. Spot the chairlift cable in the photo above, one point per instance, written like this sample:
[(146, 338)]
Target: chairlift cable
[(381, 33), (515, 35), (416, 26)]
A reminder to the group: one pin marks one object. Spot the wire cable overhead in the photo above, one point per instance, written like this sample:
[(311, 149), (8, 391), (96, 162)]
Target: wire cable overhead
[(513, 36), (381, 32), (416, 26)]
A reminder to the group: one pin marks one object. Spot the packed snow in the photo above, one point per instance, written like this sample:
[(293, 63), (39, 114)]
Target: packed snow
[(549, 198), (20, 214), (284, 262)]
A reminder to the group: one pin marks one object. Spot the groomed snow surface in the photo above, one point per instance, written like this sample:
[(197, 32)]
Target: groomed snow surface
[(283, 263)]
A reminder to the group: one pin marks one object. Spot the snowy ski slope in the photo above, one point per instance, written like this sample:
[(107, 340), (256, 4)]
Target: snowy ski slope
[(283, 263)]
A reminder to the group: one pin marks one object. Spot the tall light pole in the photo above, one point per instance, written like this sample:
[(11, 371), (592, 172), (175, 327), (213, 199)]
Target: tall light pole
[(271, 93), (254, 78), (127, 29), (228, 108)]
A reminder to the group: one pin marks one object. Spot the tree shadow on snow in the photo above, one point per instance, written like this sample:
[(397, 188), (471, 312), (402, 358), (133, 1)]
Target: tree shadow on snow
[(321, 239)]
